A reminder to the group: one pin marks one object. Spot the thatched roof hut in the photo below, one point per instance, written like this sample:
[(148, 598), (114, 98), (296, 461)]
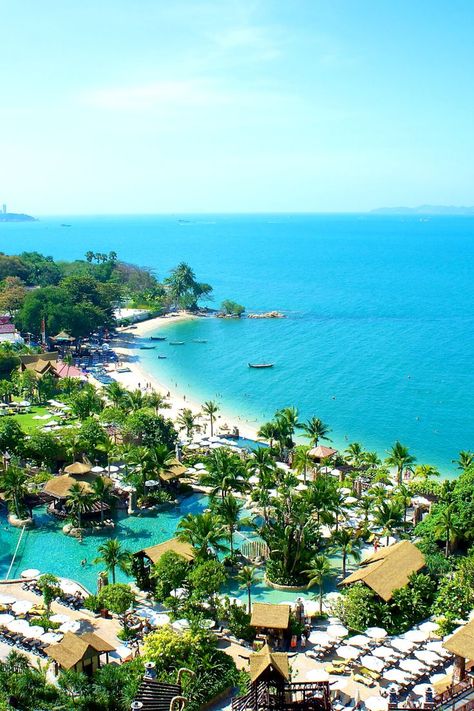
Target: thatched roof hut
[(78, 468), (461, 642), (266, 662), (388, 569), (320, 452), (75, 651), (175, 472), (268, 616), (154, 553)]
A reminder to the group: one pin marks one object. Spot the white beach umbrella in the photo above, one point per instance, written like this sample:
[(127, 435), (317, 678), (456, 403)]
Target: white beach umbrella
[(178, 593), (282, 465), (437, 647), (51, 637), (30, 573), (429, 658), (384, 652), (35, 632), (373, 663), (320, 638), (70, 626), (350, 500), (191, 470), (436, 678), (402, 645), (340, 683), (59, 618), (5, 619), (254, 479), (412, 666), (376, 632), (193, 447), (18, 626), (376, 703), (397, 675), (416, 636), (429, 626), (346, 651), (97, 469), (301, 487), (420, 689), (317, 675), (337, 631), (152, 482), (112, 468), (68, 587), (200, 466), (359, 640), (21, 607), (159, 619)]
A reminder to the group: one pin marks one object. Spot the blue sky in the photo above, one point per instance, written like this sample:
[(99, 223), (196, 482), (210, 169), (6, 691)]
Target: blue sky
[(147, 106)]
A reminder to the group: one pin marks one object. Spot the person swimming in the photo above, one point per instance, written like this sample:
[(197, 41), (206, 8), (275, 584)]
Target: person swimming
[(84, 562)]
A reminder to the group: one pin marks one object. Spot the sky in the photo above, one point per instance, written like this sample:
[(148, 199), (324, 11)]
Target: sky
[(174, 106)]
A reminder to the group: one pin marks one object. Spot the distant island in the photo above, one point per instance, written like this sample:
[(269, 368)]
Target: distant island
[(16, 217), (425, 210)]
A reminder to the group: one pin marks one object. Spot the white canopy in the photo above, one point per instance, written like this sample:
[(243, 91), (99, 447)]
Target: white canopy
[(429, 626), (359, 640), (7, 599), (384, 652), (317, 675), (70, 626), (376, 703), (397, 675), (402, 645), (59, 618), (21, 607), (18, 626), (322, 639), (35, 632), (431, 659), (376, 632), (346, 651), (416, 636), (30, 573), (337, 631), (412, 666), (373, 663), (5, 619), (420, 689), (51, 637)]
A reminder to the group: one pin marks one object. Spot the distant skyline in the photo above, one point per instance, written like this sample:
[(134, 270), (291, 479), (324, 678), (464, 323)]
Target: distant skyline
[(235, 106)]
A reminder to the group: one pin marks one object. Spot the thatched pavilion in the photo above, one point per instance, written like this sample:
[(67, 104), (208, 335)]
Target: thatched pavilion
[(461, 644), (79, 652), (271, 621), (145, 558)]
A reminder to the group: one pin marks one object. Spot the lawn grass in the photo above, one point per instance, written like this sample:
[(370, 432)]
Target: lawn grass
[(26, 421)]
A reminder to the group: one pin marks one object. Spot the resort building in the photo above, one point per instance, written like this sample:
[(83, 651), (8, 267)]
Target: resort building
[(272, 622), (388, 569), (321, 453), (82, 653), (43, 363), (8, 332), (461, 644), (58, 489), (147, 557)]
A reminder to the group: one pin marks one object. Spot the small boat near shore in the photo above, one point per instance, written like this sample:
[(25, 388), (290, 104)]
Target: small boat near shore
[(199, 340), (147, 348), (176, 343), (261, 365), (162, 357), (158, 338)]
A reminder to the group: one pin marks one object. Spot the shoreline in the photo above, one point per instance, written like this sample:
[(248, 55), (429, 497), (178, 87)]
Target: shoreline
[(127, 348)]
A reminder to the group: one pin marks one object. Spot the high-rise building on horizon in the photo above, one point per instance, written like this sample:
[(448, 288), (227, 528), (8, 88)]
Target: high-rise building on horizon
[(4, 208)]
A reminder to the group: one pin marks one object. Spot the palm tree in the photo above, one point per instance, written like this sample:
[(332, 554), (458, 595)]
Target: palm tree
[(113, 556), (204, 532), (371, 462), (109, 448), (224, 474), (355, 454), (68, 359), (13, 484), (117, 394), (465, 460), (136, 400), (157, 401), (403, 494), (319, 570), (315, 429), (399, 457), (102, 492), (388, 516), (229, 510), (187, 420), (337, 506), (210, 408), (78, 501), (350, 544), (262, 464), (447, 526), (302, 460), (268, 431), (247, 576), (150, 463), (423, 472)]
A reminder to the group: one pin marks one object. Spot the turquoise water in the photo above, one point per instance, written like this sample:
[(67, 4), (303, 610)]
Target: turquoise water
[(379, 335)]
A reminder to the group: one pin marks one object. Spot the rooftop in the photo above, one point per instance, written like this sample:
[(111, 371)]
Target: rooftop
[(72, 648), (154, 553), (266, 659), (276, 617), (461, 642)]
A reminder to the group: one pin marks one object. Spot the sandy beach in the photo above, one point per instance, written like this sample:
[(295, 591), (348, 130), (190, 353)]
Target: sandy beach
[(128, 350)]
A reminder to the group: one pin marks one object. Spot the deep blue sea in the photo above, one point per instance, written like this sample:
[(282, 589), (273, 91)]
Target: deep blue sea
[(379, 335)]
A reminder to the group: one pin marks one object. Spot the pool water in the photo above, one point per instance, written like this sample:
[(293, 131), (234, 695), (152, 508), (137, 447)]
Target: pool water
[(47, 548)]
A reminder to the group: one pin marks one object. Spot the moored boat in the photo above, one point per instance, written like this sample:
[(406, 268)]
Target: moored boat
[(199, 340), (261, 365), (147, 348), (158, 338), (176, 343)]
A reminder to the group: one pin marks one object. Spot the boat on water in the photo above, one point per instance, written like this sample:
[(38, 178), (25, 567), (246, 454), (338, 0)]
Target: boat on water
[(261, 365), (147, 348), (158, 338), (199, 340), (162, 357), (176, 343)]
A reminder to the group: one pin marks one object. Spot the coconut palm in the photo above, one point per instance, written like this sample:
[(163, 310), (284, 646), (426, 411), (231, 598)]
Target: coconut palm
[(187, 420), (262, 464), (447, 526), (465, 460), (319, 570), (13, 484), (205, 532), (337, 507), (403, 495), (388, 516), (109, 448), (424, 472), (355, 454), (224, 473), (157, 401), (268, 431), (247, 576), (349, 543), (136, 400), (302, 461), (102, 491), (79, 500), (113, 556), (210, 408), (371, 462), (116, 393), (151, 463), (229, 509), (315, 429), (399, 457)]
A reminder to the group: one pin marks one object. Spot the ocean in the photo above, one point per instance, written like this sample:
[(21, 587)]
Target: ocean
[(378, 337)]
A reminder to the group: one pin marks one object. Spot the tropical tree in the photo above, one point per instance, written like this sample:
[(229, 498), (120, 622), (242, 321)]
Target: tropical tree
[(262, 464), (136, 400), (403, 495), (319, 570), (113, 556), (210, 408), (13, 484), (302, 461), (205, 532), (102, 492), (349, 543), (50, 588), (447, 526), (388, 516), (247, 576), (315, 429), (399, 457), (79, 500), (229, 509), (225, 473), (187, 420), (157, 401), (268, 431), (465, 460), (424, 472), (355, 454), (116, 393)]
